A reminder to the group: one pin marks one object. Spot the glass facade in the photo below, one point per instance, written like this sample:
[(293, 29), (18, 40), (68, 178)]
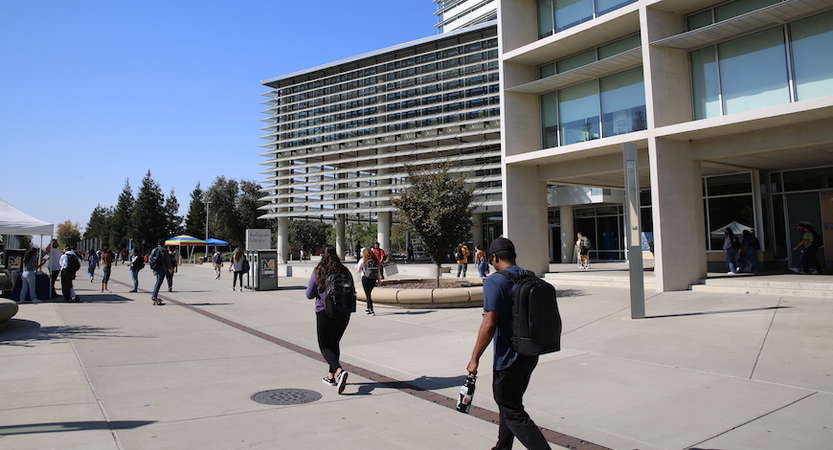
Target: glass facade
[(589, 56), (559, 15), (605, 107), (727, 199), (725, 11), (760, 69)]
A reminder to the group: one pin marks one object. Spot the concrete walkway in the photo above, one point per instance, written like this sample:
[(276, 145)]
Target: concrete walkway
[(704, 371)]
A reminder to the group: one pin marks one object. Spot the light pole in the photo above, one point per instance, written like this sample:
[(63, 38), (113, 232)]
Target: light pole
[(207, 203)]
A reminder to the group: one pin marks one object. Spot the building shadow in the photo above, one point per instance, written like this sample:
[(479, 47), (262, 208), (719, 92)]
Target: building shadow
[(727, 311), (422, 384), (208, 304), (62, 427), (92, 298), (25, 333), (409, 313)]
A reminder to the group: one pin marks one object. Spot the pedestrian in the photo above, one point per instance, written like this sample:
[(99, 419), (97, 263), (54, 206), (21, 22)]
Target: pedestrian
[(731, 248), (172, 269), (410, 253), (370, 270), (238, 261), (461, 255), (92, 263), (217, 260), (512, 371), (358, 251), (808, 247), (481, 261), (331, 278), (749, 247), (137, 262), (28, 290), (381, 257), (583, 247), (70, 263), (53, 255), (106, 261), (159, 264)]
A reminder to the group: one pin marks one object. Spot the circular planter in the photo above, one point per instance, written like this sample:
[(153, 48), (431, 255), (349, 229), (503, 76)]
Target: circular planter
[(8, 309), (455, 297)]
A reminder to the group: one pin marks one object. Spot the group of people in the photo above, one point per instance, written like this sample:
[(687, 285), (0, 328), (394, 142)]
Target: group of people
[(61, 264), (370, 265), (741, 252), (512, 370)]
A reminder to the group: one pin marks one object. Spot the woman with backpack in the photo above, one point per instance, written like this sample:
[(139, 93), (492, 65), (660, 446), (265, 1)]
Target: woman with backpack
[(329, 284), (92, 263), (239, 266), (137, 262), (370, 269)]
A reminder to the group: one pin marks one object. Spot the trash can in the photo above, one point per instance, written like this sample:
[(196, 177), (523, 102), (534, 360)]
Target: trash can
[(263, 270)]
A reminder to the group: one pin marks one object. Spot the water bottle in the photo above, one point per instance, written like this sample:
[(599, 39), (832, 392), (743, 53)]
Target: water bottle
[(466, 394)]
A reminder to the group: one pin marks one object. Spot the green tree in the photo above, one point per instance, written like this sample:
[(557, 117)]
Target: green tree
[(307, 235), (363, 234), (68, 234), (248, 203), (148, 219), (222, 211), (173, 220), (121, 224), (438, 208), (99, 226), (195, 220)]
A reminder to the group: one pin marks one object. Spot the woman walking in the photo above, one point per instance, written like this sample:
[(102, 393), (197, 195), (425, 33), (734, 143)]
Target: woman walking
[(238, 259), (137, 262), (28, 291), (106, 261), (329, 327), (481, 261), (370, 269), (92, 263)]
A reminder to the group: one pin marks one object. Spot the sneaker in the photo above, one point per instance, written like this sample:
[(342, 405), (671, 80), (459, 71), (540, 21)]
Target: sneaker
[(329, 381), (341, 380), (133, 290)]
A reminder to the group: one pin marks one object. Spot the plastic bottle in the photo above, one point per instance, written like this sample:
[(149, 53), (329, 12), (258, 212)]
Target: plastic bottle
[(466, 394)]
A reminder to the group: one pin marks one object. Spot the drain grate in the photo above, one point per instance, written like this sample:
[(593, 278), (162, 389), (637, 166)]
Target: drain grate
[(286, 396)]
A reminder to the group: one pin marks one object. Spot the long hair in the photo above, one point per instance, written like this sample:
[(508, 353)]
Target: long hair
[(330, 264), (32, 252), (237, 254)]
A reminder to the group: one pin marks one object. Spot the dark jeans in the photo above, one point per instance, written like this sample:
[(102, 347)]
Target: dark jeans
[(105, 273), (368, 284), (66, 286), (160, 277), (461, 269), (509, 386), (53, 276), (134, 274), (809, 259), (483, 269), (169, 276), (234, 281), (330, 330)]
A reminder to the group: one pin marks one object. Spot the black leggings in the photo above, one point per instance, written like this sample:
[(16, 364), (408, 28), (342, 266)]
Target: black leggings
[(330, 330), (368, 284), (234, 281)]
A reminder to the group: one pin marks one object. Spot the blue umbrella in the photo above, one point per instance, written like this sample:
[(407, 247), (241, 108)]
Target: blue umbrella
[(217, 242)]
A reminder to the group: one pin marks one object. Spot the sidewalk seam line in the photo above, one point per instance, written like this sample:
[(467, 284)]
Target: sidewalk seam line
[(766, 335)]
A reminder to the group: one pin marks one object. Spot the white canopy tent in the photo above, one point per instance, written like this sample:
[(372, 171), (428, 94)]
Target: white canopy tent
[(15, 221), (736, 227)]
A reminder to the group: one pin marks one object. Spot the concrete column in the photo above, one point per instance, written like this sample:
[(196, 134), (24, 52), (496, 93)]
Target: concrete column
[(525, 216), (341, 249), (568, 234), (477, 229), (383, 231), (283, 240), (677, 200)]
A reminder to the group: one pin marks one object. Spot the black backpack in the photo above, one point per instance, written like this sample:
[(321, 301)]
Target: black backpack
[(458, 254), (156, 261), (536, 322), (341, 294), (245, 264), (72, 263), (139, 264)]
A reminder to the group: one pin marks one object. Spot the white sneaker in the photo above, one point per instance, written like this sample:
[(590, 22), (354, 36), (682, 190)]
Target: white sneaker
[(341, 380)]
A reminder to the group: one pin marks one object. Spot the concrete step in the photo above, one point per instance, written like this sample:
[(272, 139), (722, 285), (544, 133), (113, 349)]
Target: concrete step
[(599, 279), (763, 290), (763, 282)]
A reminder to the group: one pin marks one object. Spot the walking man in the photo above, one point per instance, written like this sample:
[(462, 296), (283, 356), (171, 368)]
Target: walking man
[(160, 264), (172, 269), (512, 370), (70, 263), (461, 255)]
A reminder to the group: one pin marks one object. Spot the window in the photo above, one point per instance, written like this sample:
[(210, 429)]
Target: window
[(549, 119), (569, 13), (727, 199), (623, 103), (811, 38), (704, 82), (589, 56), (559, 15), (578, 60), (544, 18), (578, 111), (725, 11), (745, 85)]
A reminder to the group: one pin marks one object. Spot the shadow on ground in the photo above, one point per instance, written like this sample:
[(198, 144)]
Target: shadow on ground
[(570, 293), (727, 311), (61, 427), (422, 383), (25, 333)]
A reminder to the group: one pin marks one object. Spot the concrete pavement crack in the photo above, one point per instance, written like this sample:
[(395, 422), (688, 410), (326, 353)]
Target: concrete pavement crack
[(766, 335)]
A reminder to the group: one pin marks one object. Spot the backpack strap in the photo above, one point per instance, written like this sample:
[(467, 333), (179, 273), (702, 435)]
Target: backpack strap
[(511, 276)]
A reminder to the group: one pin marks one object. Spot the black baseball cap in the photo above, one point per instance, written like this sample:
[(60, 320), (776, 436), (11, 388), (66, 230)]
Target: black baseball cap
[(503, 246)]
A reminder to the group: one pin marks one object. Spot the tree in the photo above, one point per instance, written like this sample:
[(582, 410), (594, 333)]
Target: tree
[(438, 208), (222, 211), (99, 226), (173, 221), (121, 225), (248, 203), (195, 220), (307, 235), (363, 234), (69, 234), (148, 219)]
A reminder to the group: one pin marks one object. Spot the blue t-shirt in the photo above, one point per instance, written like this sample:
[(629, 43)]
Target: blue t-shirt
[(497, 297)]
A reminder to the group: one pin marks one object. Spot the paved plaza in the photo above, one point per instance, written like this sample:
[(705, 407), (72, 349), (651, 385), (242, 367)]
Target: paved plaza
[(705, 370)]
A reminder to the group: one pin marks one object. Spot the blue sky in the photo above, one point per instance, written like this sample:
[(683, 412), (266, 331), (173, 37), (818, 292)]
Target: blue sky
[(95, 92)]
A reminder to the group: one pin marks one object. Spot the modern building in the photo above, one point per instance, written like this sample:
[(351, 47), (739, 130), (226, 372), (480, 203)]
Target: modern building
[(729, 104), (455, 14), (341, 135)]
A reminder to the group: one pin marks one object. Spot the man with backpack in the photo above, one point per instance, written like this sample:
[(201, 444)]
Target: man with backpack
[(521, 314), (69, 264), (808, 246), (160, 264)]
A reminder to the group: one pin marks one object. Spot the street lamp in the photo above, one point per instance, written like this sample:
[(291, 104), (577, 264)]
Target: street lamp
[(207, 203)]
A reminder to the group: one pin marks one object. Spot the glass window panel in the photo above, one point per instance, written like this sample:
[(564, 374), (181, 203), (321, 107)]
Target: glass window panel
[(739, 7), (740, 183), (547, 70), (753, 71), (569, 13), (622, 45), (549, 119), (544, 18), (704, 83), (578, 111), (725, 210), (623, 102), (699, 20), (575, 61), (811, 38), (605, 6), (802, 180)]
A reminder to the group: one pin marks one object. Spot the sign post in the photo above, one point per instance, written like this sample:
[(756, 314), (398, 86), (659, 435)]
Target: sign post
[(632, 235)]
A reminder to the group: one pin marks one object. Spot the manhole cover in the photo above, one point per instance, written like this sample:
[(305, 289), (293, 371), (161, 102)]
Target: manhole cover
[(286, 396)]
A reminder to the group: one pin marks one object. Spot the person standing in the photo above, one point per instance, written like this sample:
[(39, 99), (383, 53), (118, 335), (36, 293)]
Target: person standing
[(92, 263), (512, 371), (106, 261), (749, 246), (381, 258), (70, 263), (481, 261), (137, 262), (583, 248), (172, 269), (54, 254), (217, 260), (358, 251), (808, 246), (330, 328), (159, 263), (28, 290), (238, 261), (461, 255), (370, 270), (410, 253), (730, 248)]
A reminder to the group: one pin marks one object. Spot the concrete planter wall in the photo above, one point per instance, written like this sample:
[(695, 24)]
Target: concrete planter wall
[(8, 309), (427, 298)]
